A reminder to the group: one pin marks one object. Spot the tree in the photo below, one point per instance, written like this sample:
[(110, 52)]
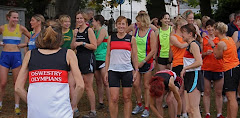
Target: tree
[(155, 8), (205, 8)]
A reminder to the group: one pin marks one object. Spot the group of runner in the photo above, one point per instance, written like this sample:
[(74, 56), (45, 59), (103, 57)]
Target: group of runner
[(187, 59)]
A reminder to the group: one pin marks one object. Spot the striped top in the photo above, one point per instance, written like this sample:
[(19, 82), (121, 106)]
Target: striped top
[(188, 58), (120, 57), (12, 37)]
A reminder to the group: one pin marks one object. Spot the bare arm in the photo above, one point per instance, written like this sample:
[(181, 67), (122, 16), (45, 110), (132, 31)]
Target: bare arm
[(218, 52), (27, 36), (154, 28), (175, 42), (73, 43), (102, 35), (1, 30), (153, 108), (79, 89), (130, 28), (22, 77), (107, 60), (174, 89), (134, 57), (235, 38), (93, 41)]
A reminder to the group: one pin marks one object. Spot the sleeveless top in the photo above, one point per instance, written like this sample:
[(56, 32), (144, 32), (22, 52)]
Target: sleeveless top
[(101, 51), (31, 43), (48, 92), (230, 57), (143, 45), (11, 37), (164, 43), (166, 74), (210, 63), (178, 53), (238, 50), (83, 37), (67, 37), (120, 55), (188, 58)]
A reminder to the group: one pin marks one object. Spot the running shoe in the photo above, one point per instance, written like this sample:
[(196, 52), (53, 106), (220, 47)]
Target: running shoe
[(90, 115), (17, 111), (221, 116), (137, 109), (100, 106), (207, 116), (145, 113), (184, 116), (76, 114)]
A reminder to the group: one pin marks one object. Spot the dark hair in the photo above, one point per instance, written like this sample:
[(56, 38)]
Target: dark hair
[(51, 36), (191, 28), (237, 13), (99, 18), (162, 16), (157, 86), (210, 22), (9, 13), (129, 21)]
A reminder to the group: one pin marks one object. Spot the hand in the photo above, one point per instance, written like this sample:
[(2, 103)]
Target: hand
[(134, 75), (140, 64), (75, 32), (106, 78), (78, 43), (183, 73), (209, 52)]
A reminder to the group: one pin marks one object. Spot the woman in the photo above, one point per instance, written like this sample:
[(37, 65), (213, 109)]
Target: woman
[(100, 54), (164, 42), (212, 71), (203, 30), (227, 51), (163, 83), (146, 47), (11, 55), (85, 43), (178, 48), (37, 22), (121, 54), (48, 77), (191, 72), (189, 17)]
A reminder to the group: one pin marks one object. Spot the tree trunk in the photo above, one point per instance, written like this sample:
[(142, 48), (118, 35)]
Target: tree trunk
[(155, 8), (68, 7), (205, 8)]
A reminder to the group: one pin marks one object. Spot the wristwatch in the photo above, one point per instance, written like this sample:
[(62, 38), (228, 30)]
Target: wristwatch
[(84, 43)]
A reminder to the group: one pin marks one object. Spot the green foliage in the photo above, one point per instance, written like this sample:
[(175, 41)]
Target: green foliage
[(225, 8), (192, 3)]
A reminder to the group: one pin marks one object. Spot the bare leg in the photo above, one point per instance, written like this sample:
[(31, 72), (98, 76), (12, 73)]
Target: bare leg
[(171, 102), (113, 103), (194, 101), (162, 67), (218, 94), (127, 93), (137, 88), (3, 80), (105, 85), (207, 94), (99, 82), (147, 77), (232, 102), (88, 81), (71, 83)]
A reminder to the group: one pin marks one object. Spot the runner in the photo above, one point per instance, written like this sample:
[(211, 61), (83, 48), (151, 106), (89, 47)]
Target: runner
[(11, 55), (227, 51), (189, 17), (178, 47), (102, 37), (85, 43), (212, 71), (146, 45), (163, 83), (164, 42), (191, 72), (41, 63), (203, 30), (121, 54), (37, 22)]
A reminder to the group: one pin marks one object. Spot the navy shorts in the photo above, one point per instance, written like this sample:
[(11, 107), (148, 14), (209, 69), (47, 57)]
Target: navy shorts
[(147, 67), (86, 62), (11, 60), (100, 65), (192, 80), (177, 69), (117, 78), (212, 75), (163, 61), (231, 79)]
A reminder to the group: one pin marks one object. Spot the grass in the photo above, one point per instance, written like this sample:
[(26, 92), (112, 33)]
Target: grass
[(84, 107)]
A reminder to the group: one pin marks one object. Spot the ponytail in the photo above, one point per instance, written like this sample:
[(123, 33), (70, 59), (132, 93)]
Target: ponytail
[(50, 34)]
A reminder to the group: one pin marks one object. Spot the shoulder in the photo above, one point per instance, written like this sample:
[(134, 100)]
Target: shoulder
[(70, 53)]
